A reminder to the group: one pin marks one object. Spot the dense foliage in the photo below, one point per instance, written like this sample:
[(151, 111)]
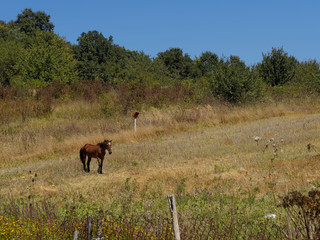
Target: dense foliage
[(33, 56)]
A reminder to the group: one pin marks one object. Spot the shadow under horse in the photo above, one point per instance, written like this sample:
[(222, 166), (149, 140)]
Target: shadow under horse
[(97, 151)]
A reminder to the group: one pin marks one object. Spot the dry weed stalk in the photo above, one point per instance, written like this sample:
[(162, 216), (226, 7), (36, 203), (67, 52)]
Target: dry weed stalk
[(304, 213)]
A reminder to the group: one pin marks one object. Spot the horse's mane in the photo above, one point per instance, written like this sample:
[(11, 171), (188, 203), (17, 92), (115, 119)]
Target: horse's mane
[(102, 144)]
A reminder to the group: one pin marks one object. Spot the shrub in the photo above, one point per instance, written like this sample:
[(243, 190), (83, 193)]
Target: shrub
[(233, 81)]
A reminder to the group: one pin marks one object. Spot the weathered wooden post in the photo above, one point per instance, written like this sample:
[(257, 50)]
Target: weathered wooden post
[(135, 115), (174, 215), (76, 235), (89, 226), (99, 227)]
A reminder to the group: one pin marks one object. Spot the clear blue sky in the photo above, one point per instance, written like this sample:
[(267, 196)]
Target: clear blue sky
[(239, 27)]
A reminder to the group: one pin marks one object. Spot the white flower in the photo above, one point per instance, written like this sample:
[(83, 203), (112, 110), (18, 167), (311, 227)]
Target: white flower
[(256, 138), (270, 216)]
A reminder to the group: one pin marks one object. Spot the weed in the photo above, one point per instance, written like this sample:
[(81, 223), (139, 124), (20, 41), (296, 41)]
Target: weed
[(304, 214)]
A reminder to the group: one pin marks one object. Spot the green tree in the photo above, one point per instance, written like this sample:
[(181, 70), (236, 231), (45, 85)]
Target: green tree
[(207, 62), (9, 31), (29, 22), (233, 81), (92, 51), (277, 67), (175, 64), (4, 30), (307, 76), (10, 52), (47, 59), (99, 58), (138, 67)]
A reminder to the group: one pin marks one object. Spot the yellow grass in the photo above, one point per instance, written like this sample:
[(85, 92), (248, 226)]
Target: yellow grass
[(207, 147)]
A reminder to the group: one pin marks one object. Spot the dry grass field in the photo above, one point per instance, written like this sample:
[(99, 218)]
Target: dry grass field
[(228, 167), (202, 148)]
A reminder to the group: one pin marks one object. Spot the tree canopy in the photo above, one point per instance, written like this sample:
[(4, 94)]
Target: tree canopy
[(29, 22), (277, 67), (33, 56)]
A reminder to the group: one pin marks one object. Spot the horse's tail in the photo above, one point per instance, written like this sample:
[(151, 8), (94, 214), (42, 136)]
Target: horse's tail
[(83, 155)]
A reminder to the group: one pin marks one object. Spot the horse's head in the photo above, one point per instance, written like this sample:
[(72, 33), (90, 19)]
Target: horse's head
[(108, 144)]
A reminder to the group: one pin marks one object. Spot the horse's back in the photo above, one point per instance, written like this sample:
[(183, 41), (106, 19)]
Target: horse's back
[(91, 149), (88, 146)]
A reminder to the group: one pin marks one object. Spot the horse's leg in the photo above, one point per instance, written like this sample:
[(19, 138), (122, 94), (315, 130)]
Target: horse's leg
[(83, 157), (88, 164), (99, 164), (84, 163)]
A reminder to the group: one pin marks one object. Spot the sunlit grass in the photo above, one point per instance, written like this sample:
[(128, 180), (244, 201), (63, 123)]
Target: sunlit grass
[(43, 221), (202, 215), (72, 124), (195, 152), (165, 150), (15, 228)]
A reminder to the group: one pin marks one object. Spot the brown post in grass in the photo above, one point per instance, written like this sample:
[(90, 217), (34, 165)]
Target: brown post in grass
[(89, 226), (174, 216), (135, 115)]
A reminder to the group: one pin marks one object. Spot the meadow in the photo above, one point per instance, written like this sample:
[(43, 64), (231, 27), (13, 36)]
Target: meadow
[(225, 181), (237, 145)]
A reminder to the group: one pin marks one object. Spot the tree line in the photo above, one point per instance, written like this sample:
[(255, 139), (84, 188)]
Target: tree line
[(33, 56)]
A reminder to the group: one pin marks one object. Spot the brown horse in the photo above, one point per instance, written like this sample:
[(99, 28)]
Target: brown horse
[(95, 151)]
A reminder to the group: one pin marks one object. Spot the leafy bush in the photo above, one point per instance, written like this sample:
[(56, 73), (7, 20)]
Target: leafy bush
[(47, 59), (233, 81), (277, 68), (307, 76)]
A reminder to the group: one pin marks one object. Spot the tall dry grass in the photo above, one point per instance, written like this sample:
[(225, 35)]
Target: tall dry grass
[(75, 123), (199, 147)]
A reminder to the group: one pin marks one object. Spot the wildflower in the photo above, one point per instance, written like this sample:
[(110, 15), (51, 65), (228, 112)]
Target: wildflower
[(257, 139), (270, 216), (23, 177)]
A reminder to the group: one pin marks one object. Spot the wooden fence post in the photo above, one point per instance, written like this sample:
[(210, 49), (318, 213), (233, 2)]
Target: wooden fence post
[(76, 235), (99, 227), (174, 215), (89, 226), (135, 114)]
